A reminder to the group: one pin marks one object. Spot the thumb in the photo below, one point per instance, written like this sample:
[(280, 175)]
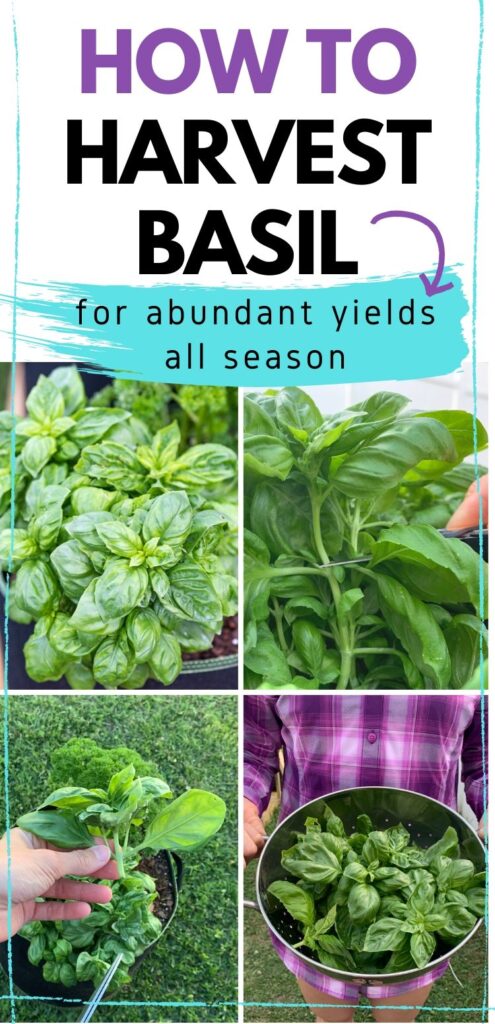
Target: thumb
[(79, 862)]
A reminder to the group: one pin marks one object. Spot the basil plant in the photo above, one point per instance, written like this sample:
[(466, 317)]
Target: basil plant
[(372, 901), (133, 814), (124, 547), (366, 488)]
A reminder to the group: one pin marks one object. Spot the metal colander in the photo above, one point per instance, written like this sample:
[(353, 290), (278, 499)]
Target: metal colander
[(426, 820)]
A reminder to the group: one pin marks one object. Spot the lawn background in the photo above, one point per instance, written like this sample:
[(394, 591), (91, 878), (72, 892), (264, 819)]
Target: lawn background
[(193, 742)]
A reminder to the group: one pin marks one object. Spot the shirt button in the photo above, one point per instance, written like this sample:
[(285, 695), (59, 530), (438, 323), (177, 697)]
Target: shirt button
[(372, 737)]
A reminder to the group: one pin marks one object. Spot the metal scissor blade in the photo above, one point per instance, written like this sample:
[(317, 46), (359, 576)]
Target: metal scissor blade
[(345, 561), (468, 531), (100, 991)]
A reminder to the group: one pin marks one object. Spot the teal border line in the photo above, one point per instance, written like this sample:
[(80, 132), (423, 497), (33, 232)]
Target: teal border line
[(15, 40), (479, 69), (12, 998)]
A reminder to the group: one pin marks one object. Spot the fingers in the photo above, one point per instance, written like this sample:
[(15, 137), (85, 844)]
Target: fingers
[(79, 862), (250, 848), (60, 911), (254, 838), (66, 889), (468, 512), (110, 871)]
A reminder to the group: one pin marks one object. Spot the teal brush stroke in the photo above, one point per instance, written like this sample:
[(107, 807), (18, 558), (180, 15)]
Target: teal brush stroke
[(137, 349)]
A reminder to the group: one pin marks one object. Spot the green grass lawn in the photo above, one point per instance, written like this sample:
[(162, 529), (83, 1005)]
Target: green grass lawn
[(193, 742), (267, 980)]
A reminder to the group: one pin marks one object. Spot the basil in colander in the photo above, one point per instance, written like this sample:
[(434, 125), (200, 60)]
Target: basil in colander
[(373, 900)]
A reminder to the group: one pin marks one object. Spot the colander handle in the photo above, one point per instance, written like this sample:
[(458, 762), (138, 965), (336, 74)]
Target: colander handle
[(251, 905)]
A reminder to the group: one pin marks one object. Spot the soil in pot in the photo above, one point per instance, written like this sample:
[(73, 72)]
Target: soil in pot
[(30, 979), (223, 644)]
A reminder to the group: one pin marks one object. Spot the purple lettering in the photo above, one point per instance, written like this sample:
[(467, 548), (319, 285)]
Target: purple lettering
[(360, 58), (91, 60), (244, 52), (144, 61), (328, 37)]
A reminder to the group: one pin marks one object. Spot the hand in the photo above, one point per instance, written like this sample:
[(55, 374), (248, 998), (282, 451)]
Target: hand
[(254, 831), (468, 512), (38, 870), (482, 830)]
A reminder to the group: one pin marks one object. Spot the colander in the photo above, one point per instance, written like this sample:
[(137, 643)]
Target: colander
[(426, 820)]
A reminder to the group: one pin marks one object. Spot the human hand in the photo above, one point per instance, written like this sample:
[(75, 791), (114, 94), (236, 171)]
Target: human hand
[(482, 828), (254, 831), (468, 512), (38, 869)]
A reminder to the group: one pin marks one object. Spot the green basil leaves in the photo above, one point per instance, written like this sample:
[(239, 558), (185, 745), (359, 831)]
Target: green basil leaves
[(130, 807), (358, 911), (124, 546), (366, 488)]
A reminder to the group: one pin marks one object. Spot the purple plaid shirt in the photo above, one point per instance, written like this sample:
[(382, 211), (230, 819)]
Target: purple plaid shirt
[(341, 741)]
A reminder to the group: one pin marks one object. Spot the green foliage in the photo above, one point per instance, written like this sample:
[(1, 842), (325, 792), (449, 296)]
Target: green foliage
[(377, 902), (127, 924), (192, 741), (360, 487), (84, 762), (204, 413), (124, 544), (274, 985)]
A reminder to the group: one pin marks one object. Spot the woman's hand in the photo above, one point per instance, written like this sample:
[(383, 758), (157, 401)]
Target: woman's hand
[(469, 510), (254, 832), (39, 870)]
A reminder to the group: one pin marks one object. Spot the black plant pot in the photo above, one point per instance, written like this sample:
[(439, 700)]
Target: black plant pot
[(208, 674), (29, 978), (472, 539)]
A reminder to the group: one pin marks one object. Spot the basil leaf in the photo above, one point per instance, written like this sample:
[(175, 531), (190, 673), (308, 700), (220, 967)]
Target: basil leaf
[(297, 413), (363, 903), (113, 660), (299, 904), (186, 823), (313, 859), (36, 453), (381, 464), (169, 518), (45, 401), (118, 538), (119, 589), (430, 566), (414, 624), (476, 901), (143, 632), (423, 946), (384, 934), (69, 383), (73, 567), (37, 590), (309, 644), (73, 797), (23, 547), (267, 456), (166, 659), (87, 617), (58, 827), (92, 424)]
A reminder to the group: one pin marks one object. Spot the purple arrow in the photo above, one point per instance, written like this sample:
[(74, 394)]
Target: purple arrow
[(431, 287)]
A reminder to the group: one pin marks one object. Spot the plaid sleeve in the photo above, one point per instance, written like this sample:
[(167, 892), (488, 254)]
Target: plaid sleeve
[(473, 761), (262, 741)]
